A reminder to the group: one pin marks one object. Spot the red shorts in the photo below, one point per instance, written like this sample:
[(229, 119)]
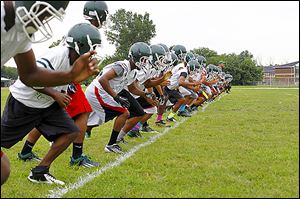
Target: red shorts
[(2, 153), (79, 104)]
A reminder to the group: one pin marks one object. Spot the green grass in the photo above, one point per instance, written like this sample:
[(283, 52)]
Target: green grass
[(244, 145)]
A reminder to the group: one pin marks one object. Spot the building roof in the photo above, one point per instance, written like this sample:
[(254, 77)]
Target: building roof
[(268, 69), (288, 65)]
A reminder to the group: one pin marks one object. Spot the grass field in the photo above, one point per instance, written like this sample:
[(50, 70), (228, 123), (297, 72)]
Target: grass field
[(244, 145)]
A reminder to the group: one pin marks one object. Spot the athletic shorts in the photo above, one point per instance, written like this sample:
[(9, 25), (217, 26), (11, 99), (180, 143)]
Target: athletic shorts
[(187, 92), (105, 108), (148, 108), (173, 95), (18, 120), (208, 90), (79, 104)]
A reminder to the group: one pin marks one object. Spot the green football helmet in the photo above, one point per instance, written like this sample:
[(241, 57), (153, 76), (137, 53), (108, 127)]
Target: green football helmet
[(201, 60), (168, 55), (140, 53), (165, 47), (158, 57), (180, 51), (174, 61), (83, 37), (193, 66), (28, 13), (228, 77), (188, 57), (96, 10), (212, 69)]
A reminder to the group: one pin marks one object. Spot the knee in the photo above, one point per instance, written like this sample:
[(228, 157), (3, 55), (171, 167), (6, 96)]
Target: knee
[(126, 114)]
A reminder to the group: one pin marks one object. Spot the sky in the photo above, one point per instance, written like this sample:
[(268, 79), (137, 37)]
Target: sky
[(267, 29)]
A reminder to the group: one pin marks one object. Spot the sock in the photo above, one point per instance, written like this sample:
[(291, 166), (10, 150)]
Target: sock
[(137, 126), (77, 150), (27, 148), (40, 169), (159, 117), (113, 137), (171, 115), (182, 108), (121, 135)]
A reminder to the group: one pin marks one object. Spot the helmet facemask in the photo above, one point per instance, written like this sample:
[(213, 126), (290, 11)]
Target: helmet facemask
[(181, 56), (144, 63), (31, 22), (78, 46), (160, 62), (95, 47)]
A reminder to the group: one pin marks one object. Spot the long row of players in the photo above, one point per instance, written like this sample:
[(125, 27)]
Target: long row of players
[(152, 80)]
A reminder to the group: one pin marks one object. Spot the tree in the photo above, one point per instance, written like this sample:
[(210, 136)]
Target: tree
[(205, 52), (242, 67), (9, 72), (127, 28)]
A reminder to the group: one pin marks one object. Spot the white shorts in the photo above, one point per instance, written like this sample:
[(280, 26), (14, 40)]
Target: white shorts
[(187, 92), (208, 90), (103, 105)]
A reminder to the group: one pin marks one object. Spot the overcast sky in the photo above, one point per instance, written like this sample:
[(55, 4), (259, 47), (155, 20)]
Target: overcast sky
[(269, 30)]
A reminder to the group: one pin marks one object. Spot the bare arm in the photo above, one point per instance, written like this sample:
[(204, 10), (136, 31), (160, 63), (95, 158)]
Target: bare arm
[(135, 90), (31, 75), (183, 83), (104, 81), (159, 90)]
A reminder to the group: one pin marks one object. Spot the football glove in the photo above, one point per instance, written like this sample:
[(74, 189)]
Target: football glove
[(122, 101)]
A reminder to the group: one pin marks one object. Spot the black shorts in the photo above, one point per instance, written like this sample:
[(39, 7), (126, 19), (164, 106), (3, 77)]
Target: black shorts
[(18, 120), (174, 95), (135, 109), (144, 104)]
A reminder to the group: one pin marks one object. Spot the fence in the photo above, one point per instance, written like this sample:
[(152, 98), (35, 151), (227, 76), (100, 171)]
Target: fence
[(279, 82)]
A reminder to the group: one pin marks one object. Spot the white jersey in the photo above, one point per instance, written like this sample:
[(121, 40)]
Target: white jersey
[(14, 41), (125, 76), (143, 76), (196, 76), (176, 72), (56, 58)]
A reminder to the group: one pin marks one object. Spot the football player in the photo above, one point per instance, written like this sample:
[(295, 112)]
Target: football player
[(179, 75), (146, 80), (109, 98), (43, 108), (20, 20)]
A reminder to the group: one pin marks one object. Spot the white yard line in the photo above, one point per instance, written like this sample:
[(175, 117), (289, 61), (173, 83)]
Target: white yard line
[(82, 180)]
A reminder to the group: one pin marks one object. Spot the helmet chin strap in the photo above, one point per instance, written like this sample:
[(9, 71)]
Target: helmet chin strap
[(97, 17), (76, 48)]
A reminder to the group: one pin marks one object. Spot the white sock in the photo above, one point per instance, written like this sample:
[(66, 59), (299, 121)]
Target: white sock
[(121, 135)]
